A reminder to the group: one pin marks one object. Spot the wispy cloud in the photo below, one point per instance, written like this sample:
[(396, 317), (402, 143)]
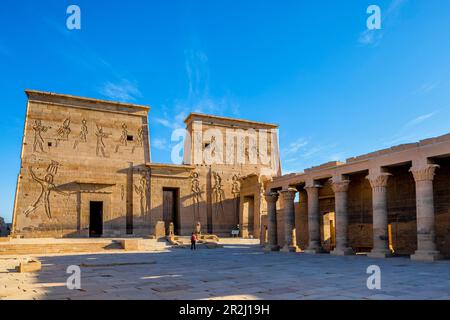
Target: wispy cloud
[(119, 84), (160, 144), (427, 87), (198, 99), (121, 91), (373, 37), (294, 147), (370, 37), (406, 134), (418, 120), (301, 154), (175, 122)]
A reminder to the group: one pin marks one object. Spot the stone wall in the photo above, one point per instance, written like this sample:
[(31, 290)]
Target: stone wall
[(74, 152), (442, 205), (360, 231), (401, 202)]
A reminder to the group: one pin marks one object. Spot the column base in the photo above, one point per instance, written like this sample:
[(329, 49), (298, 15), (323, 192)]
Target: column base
[(314, 250), (428, 256), (342, 252), (271, 248), (291, 249), (380, 254)]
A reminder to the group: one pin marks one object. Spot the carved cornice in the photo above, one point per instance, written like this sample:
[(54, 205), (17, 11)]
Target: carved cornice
[(271, 197), (378, 182), (288, 194), (424, 173), (340, 186)]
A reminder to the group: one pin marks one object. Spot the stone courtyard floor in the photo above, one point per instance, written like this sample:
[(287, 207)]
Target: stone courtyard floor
[(233, 272)]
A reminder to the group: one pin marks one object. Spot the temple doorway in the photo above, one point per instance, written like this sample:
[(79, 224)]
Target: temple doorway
[(171, 209), (95, 219), (328, 231), (248, 214)]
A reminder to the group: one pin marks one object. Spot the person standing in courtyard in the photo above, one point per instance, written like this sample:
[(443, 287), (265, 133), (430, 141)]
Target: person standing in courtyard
[(193, 241)]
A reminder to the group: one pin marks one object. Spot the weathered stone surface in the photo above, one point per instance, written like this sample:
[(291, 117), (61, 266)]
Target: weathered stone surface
[(130, 244), (240, 272), (160, 230), (86, 172), (29, 266)]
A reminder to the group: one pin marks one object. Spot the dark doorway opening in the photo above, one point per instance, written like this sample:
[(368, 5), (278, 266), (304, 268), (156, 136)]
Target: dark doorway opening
[(328, 231), (171, 209), (248, 217), (95, 219)]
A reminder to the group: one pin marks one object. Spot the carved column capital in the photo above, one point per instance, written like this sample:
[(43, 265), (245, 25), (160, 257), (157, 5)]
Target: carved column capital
[(424, 173), (288, 194), (271, 197), (378, 181), (340, 186), (312, 186)]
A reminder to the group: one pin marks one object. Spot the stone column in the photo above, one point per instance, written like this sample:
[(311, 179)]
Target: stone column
[(314, 245), (290, 240), (340, 188), (271, 199), (426, 236), (378, 182)]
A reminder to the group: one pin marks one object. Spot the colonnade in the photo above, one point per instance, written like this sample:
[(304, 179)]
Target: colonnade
[(426, 237)]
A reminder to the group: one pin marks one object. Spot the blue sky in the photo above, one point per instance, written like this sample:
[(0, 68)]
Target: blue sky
[(336, 89)]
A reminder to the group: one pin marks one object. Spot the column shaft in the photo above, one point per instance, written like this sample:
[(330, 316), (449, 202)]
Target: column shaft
[(290, 240), (314, 245), (426, 234), (379, 216), (271, 200), (340, 189)]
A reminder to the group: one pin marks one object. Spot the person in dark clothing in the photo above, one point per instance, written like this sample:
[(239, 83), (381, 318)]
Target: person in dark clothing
[(193, 241)]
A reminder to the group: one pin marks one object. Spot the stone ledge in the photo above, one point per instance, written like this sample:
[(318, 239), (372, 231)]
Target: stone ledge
[(29, 266)]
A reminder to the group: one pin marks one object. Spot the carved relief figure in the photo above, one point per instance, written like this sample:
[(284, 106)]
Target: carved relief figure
[(38, 140), (143, 191), (123, 137), (236, 191), (213, 146), (235, 186), (196, 193), (219, 194), (139, 140), (100, 143), (63, 132), (47, 186), (82, 137)]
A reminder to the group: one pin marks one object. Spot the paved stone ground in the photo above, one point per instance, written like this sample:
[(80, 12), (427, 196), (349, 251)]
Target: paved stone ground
[(233, 272)]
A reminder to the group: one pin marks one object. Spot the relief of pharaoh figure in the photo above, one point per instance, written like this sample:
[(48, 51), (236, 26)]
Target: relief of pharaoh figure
[(235, 186), (63, 132), (100, 143), (82, 137), (38, 140), (143, 191), (47, 186), (123, 138), (219, 194), (139, 140), (196, 193)]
